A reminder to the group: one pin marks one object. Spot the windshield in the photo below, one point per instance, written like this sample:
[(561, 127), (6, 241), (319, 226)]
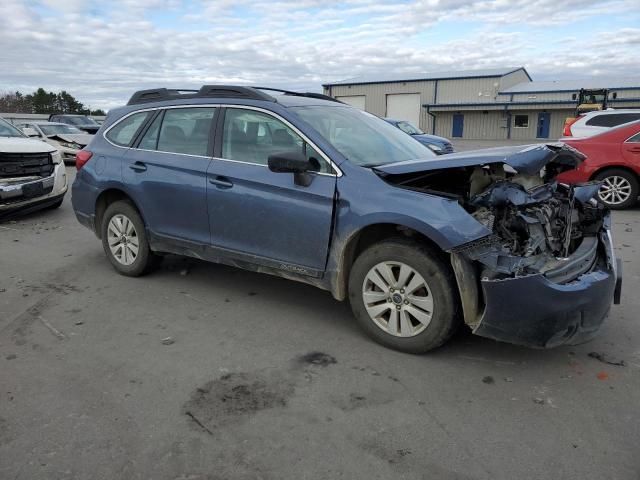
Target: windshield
[(90, 122), (364, 139), (60, 128), (406, 127), (8, 130)]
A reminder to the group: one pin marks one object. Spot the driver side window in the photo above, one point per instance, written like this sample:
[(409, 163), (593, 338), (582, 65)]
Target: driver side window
[(251, 137)]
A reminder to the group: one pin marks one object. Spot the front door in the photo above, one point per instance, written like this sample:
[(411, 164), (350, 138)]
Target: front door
[(167, 173), (544, 119), (458, 125), (261, 216)]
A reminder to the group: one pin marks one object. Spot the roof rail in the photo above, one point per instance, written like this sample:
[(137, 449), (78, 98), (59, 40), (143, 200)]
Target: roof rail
[(319, 96), (206, 91)]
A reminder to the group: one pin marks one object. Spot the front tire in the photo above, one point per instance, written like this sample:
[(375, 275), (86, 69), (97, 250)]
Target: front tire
[(404, 296), (124, 240), (619, 189)]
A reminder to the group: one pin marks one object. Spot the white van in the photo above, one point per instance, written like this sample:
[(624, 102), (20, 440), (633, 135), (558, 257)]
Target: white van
[(592, 123)]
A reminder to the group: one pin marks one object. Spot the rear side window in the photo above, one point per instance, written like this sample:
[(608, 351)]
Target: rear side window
[(150, 139), (635, 138), (123, 132), (183, 130), (612, 119)]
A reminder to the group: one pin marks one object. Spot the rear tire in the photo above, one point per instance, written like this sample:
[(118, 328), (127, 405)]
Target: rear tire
[(125, 242), (404, 296), (620, 189)]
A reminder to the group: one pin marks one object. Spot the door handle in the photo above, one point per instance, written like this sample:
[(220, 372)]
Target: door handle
[(221, 182), (634, 150), (138, 167)]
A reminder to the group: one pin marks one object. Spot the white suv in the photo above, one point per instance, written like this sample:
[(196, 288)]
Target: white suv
[(32, 175), (592, 123)]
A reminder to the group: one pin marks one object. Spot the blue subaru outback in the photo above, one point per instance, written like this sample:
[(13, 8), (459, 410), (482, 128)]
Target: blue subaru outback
[(304, 187)]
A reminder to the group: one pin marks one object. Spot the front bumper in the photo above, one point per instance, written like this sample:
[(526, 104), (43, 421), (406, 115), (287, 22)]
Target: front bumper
[(28, 193), (536, 312)]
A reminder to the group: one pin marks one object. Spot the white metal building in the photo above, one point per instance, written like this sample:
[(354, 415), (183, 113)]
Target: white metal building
[(491, 104)]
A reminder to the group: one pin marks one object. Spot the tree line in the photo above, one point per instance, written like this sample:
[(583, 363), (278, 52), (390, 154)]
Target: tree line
[(42, 101)]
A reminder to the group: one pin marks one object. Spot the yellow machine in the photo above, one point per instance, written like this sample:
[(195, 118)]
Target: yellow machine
[(592, 99)]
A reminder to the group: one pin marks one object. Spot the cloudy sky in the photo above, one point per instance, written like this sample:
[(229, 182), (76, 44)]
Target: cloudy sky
[(102, 51)]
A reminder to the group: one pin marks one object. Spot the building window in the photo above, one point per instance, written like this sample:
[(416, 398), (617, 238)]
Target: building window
[(521, 121)]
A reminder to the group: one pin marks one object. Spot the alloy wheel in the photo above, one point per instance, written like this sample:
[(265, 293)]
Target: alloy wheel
[(615, 190), (398, 299), (123, 239)]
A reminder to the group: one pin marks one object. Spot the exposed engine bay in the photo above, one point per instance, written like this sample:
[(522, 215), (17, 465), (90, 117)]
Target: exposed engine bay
[(536, 223)]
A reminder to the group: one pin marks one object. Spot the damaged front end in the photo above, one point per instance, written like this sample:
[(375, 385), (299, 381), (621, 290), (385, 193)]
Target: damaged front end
[(546, 274), (30, 180)]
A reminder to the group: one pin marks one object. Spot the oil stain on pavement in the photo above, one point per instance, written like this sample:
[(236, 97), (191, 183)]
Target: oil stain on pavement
[(235, 397)]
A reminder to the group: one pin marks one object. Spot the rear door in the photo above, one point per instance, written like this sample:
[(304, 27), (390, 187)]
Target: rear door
[(167, 172), (260, 216), (631, 151)]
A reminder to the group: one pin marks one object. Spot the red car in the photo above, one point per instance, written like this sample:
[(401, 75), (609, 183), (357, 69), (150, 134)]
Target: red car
[(614, 158)]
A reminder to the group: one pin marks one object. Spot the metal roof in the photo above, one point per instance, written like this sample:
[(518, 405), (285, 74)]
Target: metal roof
[(576, 84), (446, 75)]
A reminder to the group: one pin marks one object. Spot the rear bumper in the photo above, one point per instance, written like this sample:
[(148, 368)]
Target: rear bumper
[(87, 221), (535, 312)]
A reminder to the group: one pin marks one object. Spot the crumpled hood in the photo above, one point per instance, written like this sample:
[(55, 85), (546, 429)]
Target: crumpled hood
[(81, 139), (24, 145), (525, 159)]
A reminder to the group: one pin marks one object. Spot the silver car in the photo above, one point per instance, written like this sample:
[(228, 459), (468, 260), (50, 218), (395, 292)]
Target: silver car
[(66, 138)]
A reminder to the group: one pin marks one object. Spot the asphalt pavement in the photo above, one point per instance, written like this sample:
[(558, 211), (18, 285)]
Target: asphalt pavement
[(200, 371)]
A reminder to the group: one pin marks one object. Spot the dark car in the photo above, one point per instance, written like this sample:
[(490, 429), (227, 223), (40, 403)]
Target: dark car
[(82, 122), (439, 145), (310, 189), (613, 157)]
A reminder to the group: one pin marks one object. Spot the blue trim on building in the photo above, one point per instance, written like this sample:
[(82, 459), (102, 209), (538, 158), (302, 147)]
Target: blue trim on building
[(506, 104), (499, 104), (574, 90), (525, 72), (426, 79)]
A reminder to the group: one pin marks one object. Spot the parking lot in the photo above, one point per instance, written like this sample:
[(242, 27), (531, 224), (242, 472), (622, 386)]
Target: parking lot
[(201, 371)]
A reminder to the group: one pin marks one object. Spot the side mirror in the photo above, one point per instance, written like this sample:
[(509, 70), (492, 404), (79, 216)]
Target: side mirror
[(30, 132), (293, 162), (289, 162)]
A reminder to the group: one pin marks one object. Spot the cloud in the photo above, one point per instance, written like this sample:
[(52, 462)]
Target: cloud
[(101, 53)]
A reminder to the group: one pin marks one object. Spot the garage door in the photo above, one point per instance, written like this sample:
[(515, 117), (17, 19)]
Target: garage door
[(353, 100), (404, 106)]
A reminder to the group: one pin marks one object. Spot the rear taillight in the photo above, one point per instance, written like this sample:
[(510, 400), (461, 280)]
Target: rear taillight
[(567, 125), (82, 157)]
